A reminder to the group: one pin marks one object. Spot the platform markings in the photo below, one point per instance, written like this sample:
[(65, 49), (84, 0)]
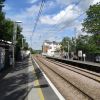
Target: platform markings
[(50, 83), (36, 83)]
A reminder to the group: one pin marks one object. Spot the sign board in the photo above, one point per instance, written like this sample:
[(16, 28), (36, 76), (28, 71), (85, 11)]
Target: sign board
[(80, 53)]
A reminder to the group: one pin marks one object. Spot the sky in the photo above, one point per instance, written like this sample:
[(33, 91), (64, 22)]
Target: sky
[(59, 18)]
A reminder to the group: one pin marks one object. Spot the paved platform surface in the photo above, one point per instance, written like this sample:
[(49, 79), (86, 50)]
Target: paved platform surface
[(25, 82)]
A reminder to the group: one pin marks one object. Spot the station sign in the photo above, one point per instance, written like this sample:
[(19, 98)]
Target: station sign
[(80, 53)]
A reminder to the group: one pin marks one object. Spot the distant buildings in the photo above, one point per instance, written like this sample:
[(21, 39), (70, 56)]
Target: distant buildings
[(50, 48)]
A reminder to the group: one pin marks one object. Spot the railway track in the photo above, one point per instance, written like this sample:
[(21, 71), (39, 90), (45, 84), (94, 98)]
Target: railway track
[(80, 84), (90, 74)]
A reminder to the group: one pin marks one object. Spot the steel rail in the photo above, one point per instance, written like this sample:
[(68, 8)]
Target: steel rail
[(48, 66)]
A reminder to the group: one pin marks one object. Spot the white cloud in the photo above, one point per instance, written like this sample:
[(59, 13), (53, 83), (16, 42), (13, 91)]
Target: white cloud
[(64, 17), (68, 14), (64, 2), (27, 17), (32, 1), (33, 10), (7, 7), (78, 28), (96, 1)]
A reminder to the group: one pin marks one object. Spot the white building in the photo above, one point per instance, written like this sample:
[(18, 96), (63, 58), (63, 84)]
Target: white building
[(50, 48)]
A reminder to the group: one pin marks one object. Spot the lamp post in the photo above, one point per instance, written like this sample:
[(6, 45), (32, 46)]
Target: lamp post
[(68, 48), (75, 39), (14, 41), (22, 43), (22, 48)]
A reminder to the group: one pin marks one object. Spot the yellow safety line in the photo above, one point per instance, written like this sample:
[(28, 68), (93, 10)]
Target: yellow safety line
[(36, 83)]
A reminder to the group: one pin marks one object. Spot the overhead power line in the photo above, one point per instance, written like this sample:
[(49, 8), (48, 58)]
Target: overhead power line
[(38, 16), (75, 4), (73, 21), (64, 27), (37, 19)]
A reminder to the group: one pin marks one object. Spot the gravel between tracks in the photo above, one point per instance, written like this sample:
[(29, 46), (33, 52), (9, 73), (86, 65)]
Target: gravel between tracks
[(92, 75), (66, 89), (85, 84)]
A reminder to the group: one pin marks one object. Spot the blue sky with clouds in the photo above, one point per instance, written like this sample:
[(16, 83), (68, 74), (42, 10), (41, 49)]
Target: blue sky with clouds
[(59, 18)]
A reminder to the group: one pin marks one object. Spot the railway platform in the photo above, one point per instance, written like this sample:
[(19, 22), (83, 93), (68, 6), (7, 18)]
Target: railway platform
[(26, 82)]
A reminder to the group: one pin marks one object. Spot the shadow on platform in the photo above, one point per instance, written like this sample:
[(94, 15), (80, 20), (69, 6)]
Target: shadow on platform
[(14, 85), (42, 86)]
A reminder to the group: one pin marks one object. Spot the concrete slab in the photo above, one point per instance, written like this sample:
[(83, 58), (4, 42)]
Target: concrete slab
[(34, 93)]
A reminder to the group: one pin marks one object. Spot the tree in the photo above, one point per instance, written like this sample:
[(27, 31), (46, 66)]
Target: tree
[(1, 5), (87, 44), (6, 25), (82, 43), (8, 29), (91, 24), (64, 44), (2, 18)]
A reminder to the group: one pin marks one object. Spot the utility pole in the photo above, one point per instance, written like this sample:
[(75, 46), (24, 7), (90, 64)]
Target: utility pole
[(22, 43), (14, 42), (22, 48), (68, 49), (75, 37)]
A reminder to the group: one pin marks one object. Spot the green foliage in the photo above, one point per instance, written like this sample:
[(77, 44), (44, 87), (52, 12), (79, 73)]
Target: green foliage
[(35, 51), (64, 44), (1, 5), (92, 23), (82, 43), (93, 44), (8, 30), (2, 19), (73, 45), (19, 40), (85, 43), (6, 25), (26, 46)]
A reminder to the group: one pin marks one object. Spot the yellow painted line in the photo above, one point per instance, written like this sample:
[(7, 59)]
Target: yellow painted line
[(36, 83)]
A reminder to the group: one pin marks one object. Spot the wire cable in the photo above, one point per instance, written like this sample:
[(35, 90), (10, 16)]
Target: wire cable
[(64, 27), (36, 22), (38, 16), (76, 4)]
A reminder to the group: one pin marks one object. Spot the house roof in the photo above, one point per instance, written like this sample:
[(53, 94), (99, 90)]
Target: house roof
[(53, 42)]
